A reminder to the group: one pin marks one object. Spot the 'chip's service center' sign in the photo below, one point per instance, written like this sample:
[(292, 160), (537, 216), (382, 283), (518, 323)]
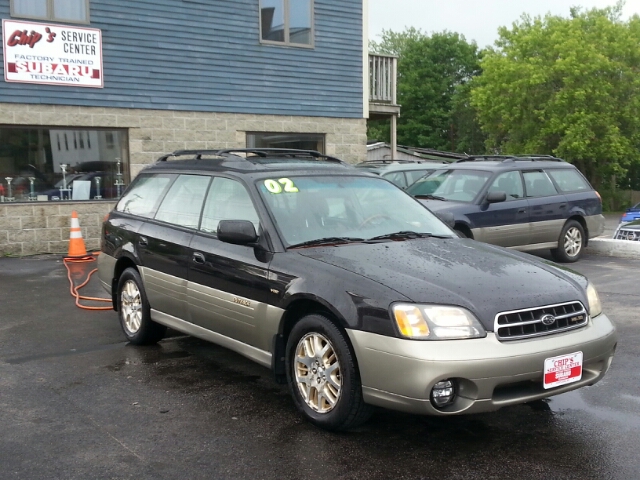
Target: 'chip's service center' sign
[(52, 54)]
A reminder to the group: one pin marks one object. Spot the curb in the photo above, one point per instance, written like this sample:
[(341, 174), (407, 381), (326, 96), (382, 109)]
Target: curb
[(614, 248)]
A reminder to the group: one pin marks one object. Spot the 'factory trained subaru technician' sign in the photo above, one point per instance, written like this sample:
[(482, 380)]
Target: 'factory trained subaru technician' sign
[(52, 54)]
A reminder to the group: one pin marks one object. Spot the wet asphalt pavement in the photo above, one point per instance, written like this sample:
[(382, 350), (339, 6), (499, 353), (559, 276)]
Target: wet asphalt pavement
[(77, 402)]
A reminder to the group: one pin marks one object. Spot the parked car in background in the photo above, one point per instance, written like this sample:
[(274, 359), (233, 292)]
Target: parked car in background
[(399, 172), (628, 231), (347, 288), (107, 189), (631, 214), (522, 202)]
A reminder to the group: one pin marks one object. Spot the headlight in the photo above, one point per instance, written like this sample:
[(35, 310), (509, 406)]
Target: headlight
[(595, 307), (436, 322)]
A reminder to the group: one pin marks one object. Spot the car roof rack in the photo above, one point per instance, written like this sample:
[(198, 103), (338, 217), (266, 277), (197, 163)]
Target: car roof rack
[(384, 161), (251, 154), (510, 158)]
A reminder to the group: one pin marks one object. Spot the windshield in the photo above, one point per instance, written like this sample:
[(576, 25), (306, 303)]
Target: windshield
[(456, 185), (353, 208)]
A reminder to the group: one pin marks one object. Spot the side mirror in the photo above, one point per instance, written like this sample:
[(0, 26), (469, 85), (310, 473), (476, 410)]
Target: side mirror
[(447, 217), (238, 232), (496, 197)]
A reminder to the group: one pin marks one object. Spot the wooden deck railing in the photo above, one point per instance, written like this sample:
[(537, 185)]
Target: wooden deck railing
[(382, 78)]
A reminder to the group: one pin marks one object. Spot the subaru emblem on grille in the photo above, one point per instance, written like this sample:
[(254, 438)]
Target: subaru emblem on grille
[(548, 319)]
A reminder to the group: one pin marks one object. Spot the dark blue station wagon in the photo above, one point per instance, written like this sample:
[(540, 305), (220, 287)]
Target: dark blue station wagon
[(526, 203)]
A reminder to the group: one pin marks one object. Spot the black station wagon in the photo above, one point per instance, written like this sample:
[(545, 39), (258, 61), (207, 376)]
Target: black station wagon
[(347, 288), (525, 203)]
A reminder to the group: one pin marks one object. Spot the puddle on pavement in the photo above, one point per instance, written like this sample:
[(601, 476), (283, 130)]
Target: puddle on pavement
[(197, 368), (575, 401), (147, 356)]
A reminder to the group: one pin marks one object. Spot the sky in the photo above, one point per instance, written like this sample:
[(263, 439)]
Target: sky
[(477, 20)]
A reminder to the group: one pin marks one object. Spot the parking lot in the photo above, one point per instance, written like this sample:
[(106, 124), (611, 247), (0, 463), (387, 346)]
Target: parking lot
[(76, 401)]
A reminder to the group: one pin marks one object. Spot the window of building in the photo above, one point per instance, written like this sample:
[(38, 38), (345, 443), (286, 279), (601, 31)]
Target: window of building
[(303, 141), (58, 10), (288, 22), (46, 164)]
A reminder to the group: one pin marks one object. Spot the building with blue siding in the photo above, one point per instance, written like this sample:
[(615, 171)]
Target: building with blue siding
[(94, 90)]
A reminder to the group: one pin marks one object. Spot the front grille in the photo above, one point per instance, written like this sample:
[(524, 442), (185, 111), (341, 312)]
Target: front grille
[(627, 234), (519, 324)]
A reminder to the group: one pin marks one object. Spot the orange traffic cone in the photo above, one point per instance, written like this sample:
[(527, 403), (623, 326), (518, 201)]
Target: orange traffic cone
[(76, 243)]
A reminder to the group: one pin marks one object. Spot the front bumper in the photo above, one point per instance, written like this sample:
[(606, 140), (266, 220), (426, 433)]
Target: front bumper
[(399, 374)]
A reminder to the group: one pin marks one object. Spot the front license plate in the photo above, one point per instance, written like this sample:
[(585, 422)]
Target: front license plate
[(562, 370)]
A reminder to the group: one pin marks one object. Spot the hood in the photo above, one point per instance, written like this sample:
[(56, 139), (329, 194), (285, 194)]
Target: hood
[(483, 278), (442, 205), (635, 225)]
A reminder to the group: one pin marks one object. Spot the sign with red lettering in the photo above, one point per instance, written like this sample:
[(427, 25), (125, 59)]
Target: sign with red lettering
[(52, 54), (562, 370)]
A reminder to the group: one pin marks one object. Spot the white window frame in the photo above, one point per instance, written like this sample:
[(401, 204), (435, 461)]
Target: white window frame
[(321, 138), (287, 41), (50, 16)]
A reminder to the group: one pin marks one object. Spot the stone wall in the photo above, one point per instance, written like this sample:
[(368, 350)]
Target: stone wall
[(30, 228)]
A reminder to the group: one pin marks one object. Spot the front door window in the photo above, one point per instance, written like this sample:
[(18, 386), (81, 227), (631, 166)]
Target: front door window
[(509, 183)]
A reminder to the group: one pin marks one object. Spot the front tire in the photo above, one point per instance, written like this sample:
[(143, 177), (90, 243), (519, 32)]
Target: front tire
[(134, 311), (462, 232), (571, 243), (323, 376)]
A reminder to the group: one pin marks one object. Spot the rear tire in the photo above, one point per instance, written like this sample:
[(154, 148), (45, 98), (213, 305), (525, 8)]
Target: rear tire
[(570, 244), (134, 311), (323, 376)]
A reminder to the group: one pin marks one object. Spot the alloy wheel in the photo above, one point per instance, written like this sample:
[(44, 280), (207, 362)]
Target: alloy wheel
[(131, 306), (572, 242), (317, 372)]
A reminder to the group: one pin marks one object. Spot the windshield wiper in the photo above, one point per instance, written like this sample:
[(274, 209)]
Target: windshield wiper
[(402, 235), (430, 197), (327, 241)]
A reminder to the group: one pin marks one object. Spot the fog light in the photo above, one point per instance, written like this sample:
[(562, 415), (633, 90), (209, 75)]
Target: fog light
[(443, 393)]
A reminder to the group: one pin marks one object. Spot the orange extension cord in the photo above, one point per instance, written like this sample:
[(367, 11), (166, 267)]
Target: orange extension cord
[(74, 289)]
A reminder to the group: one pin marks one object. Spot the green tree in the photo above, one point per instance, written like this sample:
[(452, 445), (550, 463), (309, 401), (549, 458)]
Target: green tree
[(568, 87), (432, 75)]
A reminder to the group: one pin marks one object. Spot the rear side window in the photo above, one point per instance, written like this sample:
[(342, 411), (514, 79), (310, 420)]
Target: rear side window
[(183, 203), (569, 180), (538, 184), (144, 195)]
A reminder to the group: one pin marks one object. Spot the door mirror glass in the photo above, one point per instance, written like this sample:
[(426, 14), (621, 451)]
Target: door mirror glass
[(239, 232), (495, 197), (447, 217)]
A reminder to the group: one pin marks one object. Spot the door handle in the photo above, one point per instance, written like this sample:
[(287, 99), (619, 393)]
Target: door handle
[(564, 205), (198, 258), (143, 241), (522, 210)]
